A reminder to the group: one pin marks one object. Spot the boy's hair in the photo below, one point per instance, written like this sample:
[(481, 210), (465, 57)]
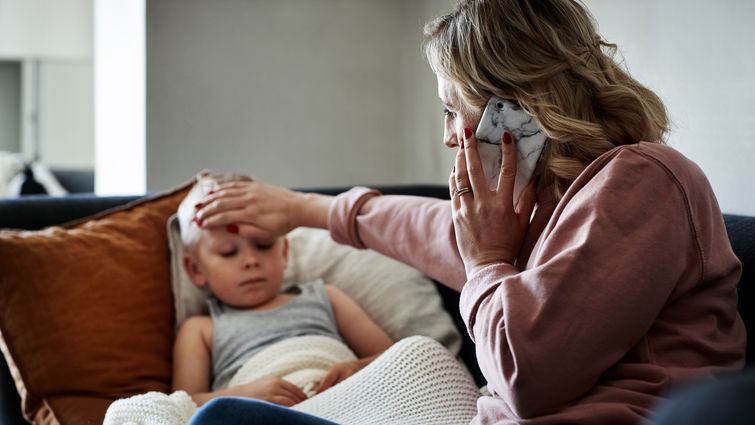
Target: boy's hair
[(206, 181)]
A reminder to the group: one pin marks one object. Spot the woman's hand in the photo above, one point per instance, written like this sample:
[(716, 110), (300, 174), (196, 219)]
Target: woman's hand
[(488, 228), (258, 210)]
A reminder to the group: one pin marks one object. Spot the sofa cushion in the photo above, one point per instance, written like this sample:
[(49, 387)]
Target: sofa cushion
[(85, 310)]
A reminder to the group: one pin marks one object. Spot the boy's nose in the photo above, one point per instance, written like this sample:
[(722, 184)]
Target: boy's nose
[(251, 260)]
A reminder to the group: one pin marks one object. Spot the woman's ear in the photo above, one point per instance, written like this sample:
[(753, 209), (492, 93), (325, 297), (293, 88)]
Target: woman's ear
[(193, 270)]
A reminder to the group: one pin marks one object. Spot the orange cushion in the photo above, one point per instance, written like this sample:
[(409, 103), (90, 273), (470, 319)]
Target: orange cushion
[(86, 310)]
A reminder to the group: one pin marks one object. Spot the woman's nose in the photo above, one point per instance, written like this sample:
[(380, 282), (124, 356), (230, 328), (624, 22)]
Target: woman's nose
[(451, 141)]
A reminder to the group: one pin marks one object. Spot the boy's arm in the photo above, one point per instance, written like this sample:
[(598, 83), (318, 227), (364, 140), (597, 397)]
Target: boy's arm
[(192, 355), (192, 362), (360, 332)]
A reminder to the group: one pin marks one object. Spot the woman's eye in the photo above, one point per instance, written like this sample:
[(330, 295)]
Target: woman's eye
[(228, 254), (264, 246), (447, 113)]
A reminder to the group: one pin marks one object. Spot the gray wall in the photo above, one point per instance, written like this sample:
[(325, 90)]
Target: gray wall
[(296, 93), (698, 56)]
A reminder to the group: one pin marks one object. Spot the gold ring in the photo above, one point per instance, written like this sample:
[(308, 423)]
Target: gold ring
[(463, 190)]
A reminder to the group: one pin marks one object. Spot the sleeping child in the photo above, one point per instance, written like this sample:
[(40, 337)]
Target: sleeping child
[(248, 312)]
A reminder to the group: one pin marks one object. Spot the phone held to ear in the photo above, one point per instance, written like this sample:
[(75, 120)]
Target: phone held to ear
[(502, 116)]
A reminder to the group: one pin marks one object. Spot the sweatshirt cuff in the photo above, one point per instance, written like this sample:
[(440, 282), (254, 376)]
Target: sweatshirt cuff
[(479, 287), (343, 212)]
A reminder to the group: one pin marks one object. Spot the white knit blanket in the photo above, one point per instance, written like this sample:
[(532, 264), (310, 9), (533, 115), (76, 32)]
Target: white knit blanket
[(302, 360), (416, 381)]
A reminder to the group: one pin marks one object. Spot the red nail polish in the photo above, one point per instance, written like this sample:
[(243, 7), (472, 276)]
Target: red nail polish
[(212, 192), (467, 133), (199, 223), (507, 139), (198, 206), (232, 228), (454, 169), (461, 144)]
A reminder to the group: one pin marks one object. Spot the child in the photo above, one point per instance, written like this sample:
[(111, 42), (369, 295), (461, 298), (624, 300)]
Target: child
[(248, 311)]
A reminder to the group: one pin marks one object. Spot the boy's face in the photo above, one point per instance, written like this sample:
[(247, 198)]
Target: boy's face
[(243, 273)]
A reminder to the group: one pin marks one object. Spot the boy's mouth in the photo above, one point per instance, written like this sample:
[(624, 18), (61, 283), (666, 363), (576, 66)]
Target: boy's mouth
[(252, 281)]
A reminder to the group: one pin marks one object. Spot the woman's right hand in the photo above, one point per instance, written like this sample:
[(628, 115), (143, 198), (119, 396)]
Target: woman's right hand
[(273, 390), (258, 210)]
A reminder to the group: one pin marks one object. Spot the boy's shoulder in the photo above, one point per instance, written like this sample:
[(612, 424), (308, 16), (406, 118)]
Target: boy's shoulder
[(196, 323)]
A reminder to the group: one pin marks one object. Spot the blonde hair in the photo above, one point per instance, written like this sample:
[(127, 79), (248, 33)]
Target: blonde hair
[(547, 56), (206, 181)]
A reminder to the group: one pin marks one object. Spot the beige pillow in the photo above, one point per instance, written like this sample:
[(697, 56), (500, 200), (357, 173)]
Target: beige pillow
[(400, 299)]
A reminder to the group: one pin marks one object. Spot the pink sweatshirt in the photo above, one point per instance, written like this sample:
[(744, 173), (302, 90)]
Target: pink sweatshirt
[(624, 286)]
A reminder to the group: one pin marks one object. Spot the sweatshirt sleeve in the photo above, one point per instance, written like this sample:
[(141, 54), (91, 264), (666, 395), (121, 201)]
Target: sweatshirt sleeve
[(609, 259), (415, 230)]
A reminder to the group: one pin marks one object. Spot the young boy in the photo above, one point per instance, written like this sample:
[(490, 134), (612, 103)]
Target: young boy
[(248, 311)]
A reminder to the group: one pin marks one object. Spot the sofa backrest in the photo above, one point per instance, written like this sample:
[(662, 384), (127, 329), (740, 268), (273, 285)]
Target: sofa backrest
[(741, 230)]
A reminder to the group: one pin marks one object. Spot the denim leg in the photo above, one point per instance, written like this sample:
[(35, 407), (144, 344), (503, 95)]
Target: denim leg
[(239, 411), (729, 400)]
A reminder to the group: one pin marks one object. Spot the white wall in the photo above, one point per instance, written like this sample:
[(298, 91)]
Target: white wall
[(297, 93), (699, 57), (66, 121)]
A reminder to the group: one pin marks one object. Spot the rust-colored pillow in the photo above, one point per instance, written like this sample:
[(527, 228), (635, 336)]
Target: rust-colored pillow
[(86, 310)]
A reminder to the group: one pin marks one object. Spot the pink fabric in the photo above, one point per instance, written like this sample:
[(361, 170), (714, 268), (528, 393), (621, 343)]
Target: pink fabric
[(626, 285)]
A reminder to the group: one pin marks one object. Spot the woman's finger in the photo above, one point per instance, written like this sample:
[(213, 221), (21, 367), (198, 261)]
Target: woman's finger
[(460, 175), (508, 167), (526, 204), (475, 174)]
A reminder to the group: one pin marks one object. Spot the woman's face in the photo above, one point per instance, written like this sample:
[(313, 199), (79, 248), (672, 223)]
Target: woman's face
[(457, 114)]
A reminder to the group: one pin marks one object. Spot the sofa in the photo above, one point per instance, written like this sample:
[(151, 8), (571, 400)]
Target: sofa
[(38, 212)]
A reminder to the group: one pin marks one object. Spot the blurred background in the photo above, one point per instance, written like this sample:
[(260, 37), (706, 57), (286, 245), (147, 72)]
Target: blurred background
[(305, 93)]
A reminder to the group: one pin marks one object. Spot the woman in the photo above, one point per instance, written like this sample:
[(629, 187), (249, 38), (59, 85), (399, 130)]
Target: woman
[(611, 279)]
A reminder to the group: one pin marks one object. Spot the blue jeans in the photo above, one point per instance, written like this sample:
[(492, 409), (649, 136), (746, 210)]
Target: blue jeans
[(729, 400), (239, 411)]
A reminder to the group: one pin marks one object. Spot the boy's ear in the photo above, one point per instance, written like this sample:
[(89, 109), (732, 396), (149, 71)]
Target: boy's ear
[(193, 270), (284, 252)]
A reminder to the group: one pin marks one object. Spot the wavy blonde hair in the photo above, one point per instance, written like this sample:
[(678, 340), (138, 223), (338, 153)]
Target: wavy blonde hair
[(547, 56)]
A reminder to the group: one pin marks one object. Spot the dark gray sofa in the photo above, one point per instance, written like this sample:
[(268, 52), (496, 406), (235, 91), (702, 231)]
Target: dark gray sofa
[(36, 212)]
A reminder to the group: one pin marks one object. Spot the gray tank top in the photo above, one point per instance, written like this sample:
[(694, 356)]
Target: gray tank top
[(238, 334)]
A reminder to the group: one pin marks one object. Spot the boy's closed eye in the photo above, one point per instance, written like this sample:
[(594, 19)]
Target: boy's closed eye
[(263, 244), (228, 253)]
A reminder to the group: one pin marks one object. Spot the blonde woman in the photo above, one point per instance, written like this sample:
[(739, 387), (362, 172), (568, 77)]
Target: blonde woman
[(610, 281)]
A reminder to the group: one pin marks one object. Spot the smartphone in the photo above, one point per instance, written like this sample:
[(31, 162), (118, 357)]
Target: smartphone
[(502, 116)]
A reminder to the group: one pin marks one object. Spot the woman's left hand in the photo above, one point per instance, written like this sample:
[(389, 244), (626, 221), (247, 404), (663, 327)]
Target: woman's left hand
[(489, 230)]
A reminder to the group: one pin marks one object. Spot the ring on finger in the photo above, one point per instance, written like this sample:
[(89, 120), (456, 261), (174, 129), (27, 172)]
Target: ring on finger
[(463, 190)]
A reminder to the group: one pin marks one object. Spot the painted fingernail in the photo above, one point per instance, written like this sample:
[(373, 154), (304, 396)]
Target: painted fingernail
[(199, 223), (232, 228), (461, 144), (507, 139), (454, 170), (467, 133), (198, 206), (212, 192)]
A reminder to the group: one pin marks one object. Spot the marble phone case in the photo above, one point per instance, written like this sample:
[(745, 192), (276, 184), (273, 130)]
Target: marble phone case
[(498, 117)]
